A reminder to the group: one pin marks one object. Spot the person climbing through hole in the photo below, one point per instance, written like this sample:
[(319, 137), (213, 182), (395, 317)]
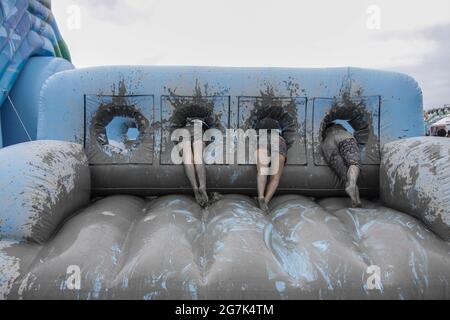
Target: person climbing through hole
[(189, 117), (279, 120), (341, 151)]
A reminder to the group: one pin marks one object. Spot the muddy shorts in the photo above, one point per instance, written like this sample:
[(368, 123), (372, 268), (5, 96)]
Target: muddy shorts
[(349, 151), (347, 154), (282, 147)]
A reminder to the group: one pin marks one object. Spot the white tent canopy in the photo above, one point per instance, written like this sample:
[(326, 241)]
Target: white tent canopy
[(444, 123), (441, 123)]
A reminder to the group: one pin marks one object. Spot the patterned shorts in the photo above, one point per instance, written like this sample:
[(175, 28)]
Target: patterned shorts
[(346, 155)]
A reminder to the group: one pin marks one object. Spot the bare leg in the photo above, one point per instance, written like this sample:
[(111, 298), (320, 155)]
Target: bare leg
[(201, 170), (349, 150), (351, 187), (358, 199), (338, 165), (261, 179), (189, 169), (275, 179)]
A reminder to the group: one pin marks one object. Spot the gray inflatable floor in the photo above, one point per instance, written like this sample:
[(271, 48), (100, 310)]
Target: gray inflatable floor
[(126, 247)]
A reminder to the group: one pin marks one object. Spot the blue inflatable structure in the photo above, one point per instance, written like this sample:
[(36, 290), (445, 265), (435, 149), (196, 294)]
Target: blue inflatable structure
[(27, 29), (94, 207)]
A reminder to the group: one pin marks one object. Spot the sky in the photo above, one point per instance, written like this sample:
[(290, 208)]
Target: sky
[(412, 36)]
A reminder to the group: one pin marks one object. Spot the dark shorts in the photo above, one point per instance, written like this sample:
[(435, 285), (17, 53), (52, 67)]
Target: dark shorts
[(282, 147), (347, 154)]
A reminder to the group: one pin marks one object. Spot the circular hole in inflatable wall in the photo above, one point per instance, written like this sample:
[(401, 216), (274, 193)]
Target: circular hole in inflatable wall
[(119, 129), (353, 116)]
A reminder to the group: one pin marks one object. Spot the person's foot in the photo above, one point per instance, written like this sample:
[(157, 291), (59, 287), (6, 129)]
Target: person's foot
[(351, 187), (263, 205), (358, 199), (204, 196), (199, 198), (356, 204), (351, 191)]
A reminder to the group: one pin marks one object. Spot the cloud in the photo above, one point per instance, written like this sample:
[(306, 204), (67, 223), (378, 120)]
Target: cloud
[(117, 12), (282, 33), (431, 68)]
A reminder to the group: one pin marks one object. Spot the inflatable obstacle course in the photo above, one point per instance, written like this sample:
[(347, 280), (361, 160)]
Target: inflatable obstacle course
[(306, 248), (95, 208)]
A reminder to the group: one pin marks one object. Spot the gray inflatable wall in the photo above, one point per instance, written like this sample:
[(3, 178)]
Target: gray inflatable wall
[(99, 107), (415, 178), (41, 184)]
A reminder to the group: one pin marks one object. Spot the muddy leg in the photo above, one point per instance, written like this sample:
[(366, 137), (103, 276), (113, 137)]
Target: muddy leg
[(275, 179), (349, 150), (201, 170), (358, 199), (261, 179), (189, 169), (351, 186)]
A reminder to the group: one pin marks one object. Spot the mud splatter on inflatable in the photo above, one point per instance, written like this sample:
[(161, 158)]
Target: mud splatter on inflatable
[(94, 207)]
